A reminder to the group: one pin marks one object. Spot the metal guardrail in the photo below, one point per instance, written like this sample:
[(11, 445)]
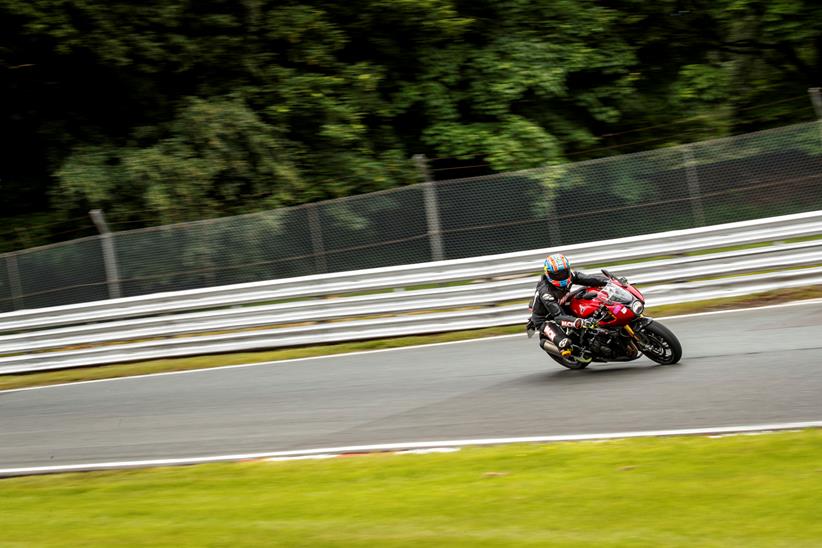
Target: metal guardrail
[(319, 311), (799, 254), (518, 263)]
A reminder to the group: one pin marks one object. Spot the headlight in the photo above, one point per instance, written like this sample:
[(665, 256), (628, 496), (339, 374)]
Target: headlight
[(637, 307)]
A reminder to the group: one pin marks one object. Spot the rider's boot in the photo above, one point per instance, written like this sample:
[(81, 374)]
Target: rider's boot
[(554, 340), (581, 355)]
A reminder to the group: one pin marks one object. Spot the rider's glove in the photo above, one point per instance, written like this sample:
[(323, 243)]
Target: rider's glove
[(580, 323), (530, 329), (623, 280), (588, 324)]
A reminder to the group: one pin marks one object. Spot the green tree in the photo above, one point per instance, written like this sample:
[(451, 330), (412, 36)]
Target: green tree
[(170, 109)]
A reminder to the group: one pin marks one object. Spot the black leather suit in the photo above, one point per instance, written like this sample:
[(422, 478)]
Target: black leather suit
[(548, 316)]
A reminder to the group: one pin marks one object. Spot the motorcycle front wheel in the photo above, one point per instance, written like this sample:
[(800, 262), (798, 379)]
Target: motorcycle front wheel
[(660, 344)]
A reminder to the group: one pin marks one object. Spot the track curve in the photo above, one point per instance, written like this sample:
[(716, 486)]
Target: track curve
[(769, 372)]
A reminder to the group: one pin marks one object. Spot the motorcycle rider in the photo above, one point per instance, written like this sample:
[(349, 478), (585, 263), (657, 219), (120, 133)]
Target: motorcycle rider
[(547, 315)]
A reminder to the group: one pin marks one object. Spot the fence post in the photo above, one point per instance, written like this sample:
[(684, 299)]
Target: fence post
[(210, 275), (816, 99), (693, 186), (109, 255), (550, 189), (554, 235), (317, 245), (16, 289), (432, 212)]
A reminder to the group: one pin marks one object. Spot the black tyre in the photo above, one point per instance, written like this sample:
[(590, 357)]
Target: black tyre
[(660, 344), (570, 364)]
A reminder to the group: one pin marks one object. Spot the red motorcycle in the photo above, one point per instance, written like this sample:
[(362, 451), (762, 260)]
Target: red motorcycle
[(623, 333)]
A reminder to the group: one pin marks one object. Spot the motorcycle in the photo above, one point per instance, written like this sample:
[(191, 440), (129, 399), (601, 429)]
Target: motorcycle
[(622, 334)]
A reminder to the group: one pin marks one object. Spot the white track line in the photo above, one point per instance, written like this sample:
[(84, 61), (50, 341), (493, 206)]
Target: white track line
[(327, 452), (364, 352)]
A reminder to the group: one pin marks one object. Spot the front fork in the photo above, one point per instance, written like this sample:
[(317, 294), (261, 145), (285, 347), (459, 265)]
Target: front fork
[(638, 325)]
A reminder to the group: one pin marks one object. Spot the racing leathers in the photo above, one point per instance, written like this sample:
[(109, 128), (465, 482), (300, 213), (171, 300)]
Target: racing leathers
[(548, 318)]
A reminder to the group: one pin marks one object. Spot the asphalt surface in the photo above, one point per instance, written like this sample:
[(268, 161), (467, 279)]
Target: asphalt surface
[(739, 368)]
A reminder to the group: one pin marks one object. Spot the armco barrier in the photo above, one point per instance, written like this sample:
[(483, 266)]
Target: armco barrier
[(320, 308)]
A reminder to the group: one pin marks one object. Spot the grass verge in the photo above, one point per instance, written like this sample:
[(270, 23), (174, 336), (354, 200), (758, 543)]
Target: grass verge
[(688, 491), (201, 362)]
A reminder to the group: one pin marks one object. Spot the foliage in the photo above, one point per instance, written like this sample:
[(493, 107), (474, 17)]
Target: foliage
[(172, 110)]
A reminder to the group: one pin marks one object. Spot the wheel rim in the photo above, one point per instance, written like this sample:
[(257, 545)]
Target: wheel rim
[(658, 349)]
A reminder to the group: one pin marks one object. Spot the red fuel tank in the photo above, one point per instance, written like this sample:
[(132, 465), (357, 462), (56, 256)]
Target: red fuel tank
[(582, 308)]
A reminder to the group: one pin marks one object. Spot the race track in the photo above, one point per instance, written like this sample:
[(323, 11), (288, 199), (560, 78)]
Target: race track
[(739, 368)]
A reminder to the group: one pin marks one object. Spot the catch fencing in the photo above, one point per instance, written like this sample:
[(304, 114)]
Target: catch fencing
[(672, 267), (752, 176)]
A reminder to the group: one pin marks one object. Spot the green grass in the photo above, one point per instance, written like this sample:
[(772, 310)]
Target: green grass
[(219, 360), (733, 491)]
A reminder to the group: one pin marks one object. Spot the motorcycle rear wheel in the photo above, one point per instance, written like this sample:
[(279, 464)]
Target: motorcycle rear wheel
[(660, 344), (570, 364)]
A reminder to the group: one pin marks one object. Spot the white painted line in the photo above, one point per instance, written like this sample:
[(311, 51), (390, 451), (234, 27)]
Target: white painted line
[(732, 310), (328, 452), (428, 451), (302, 457), (365, 352), (757, 433), (258, 364)]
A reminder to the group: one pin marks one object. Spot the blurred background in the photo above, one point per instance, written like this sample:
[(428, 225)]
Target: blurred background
[(233, 141)]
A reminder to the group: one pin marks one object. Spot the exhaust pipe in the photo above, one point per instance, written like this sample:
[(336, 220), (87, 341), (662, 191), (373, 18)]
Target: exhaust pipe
[(551, 348)]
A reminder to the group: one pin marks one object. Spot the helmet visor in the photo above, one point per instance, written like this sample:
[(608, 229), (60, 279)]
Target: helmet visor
[(559, 275)]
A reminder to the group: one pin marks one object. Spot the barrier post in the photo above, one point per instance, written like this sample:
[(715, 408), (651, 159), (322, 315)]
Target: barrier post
[(317, 245), (816, 99), (432, 213), (16, 289), (693, 186), (109, 255)]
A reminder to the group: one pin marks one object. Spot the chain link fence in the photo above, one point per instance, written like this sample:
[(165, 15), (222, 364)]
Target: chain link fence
[(763, 174)]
